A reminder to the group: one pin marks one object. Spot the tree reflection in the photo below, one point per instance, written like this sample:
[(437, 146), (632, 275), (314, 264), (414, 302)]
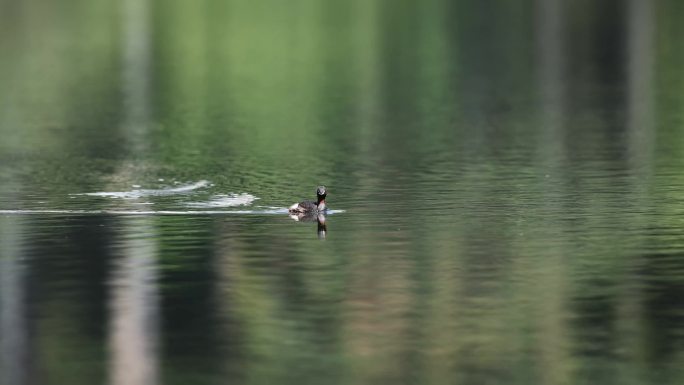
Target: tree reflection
[(15, 360), (134, 306)]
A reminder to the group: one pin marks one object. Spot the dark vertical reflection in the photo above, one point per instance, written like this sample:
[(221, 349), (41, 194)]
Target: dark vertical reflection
[(612, 85), (662, 301), (495, 84), (14, 322), (609, 43), (68, 262), (655, 61), (134, 305), (496, 70), (597, 37), (192, 343)]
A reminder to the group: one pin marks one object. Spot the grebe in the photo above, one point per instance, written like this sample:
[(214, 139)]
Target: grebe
[(310, 207)]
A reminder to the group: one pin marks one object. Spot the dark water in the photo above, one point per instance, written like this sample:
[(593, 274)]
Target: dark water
[(507, 178)]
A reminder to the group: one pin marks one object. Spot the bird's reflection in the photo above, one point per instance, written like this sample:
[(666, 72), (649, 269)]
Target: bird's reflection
[(320, 218)]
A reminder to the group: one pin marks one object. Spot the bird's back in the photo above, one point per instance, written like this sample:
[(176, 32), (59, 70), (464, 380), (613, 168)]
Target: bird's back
[(305, 206)]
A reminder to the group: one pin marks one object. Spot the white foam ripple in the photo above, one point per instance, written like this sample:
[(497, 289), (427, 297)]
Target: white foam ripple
[(225, 200), (141, 193)]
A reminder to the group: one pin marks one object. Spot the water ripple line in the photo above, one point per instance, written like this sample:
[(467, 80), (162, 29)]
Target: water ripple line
[(269, 211)]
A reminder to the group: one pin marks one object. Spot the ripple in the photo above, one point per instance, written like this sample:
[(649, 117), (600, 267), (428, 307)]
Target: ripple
[(263, 211), (140, 193), (225, 200)]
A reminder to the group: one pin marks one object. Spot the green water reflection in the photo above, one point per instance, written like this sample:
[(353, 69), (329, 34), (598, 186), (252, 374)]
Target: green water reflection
[(510, 175)]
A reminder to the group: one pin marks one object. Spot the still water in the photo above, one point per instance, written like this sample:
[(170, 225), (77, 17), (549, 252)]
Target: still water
[(506, 178)]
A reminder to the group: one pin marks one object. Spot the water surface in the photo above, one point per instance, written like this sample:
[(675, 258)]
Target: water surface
[(506, 179)]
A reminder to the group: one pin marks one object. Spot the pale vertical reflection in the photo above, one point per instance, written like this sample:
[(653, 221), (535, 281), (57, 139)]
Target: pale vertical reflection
[(640, 129), (13, 333), (134, 307), (367, 60), (551, 58), (136, 72), (640, 81), (551, 70), (134, 302), (13, 318)]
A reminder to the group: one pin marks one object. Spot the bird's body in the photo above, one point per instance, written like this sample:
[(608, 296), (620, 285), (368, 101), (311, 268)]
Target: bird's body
[(310, 207)]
